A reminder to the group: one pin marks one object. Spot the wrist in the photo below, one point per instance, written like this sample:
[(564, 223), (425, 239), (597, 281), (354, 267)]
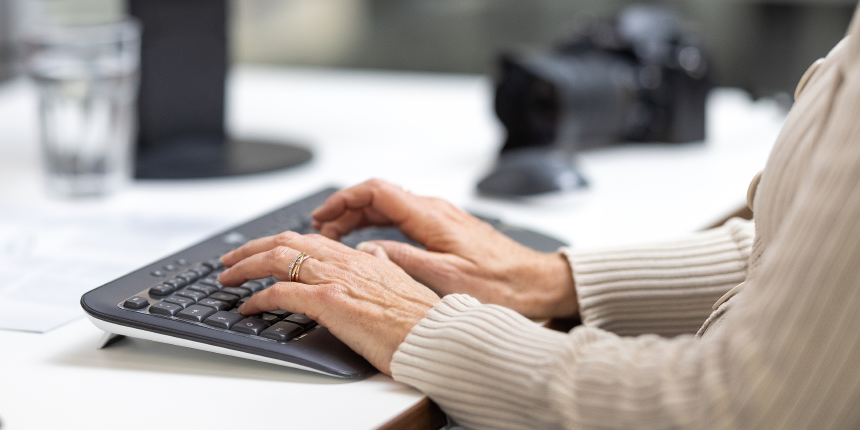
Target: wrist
[(561, 286), (548, 289)]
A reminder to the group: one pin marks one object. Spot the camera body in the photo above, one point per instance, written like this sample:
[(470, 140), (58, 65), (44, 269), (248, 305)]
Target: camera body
[(640, 79)]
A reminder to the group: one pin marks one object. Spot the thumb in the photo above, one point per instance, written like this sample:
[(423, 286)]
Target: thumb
[(422, 265)]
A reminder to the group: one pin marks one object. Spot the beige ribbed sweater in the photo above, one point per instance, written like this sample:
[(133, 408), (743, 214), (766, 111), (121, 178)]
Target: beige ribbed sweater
[(782, 354)]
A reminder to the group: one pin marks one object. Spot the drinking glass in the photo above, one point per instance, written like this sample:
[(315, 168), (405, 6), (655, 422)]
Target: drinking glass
[(87, 77)]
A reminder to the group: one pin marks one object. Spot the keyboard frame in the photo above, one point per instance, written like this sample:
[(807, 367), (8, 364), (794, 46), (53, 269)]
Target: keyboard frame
[(317, 350)]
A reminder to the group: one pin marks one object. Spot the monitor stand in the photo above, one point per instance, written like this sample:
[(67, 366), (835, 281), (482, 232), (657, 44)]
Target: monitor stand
[(180, 106), (193, 159)]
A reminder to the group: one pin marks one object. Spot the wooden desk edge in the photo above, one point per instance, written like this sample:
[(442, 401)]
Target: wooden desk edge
[(424, 415)]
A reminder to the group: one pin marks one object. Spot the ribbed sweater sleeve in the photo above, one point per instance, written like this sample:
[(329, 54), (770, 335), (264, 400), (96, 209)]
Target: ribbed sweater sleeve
[(666, 288), (784, 356), (491, 368)]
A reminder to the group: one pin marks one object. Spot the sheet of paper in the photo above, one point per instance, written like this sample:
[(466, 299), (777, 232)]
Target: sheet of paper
[(49, 259)]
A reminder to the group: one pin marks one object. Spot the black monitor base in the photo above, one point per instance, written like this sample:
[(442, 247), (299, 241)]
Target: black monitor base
[(197, 158)]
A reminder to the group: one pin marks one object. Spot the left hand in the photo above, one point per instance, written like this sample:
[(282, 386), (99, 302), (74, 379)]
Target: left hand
[(365, 300)]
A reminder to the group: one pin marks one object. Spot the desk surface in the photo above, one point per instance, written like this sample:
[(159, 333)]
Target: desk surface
[(433, 133)]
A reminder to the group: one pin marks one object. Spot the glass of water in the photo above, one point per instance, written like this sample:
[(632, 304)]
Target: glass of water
[(87, 76)]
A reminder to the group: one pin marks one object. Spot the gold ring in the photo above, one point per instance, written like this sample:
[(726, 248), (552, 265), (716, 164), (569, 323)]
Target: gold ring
[(296, 266)]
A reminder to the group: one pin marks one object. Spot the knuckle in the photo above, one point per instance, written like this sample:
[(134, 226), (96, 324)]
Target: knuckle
[(278, 292), (286, 237), (375, 182), (327, 293), (278, 254)]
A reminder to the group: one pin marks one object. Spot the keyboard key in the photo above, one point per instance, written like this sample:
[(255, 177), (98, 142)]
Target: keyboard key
[(188, 276), (213, 281), (280, 313), (214, 264), (253, 286), (223, 319), (300, 319), (181, 262), (242, 301), (169, 267), (214, 304), (200, 270), (229, 299), (241, 292), (196, 313), (282, 331), (165, 308), (203, 288), (268, 318), (267, 282), (184, 302), (158, 273), (136, 302), (250, 326), (176, 282), (162, 289), (192, 294)]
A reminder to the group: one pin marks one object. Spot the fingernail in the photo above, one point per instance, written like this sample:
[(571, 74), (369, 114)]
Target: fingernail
[(242, 309), (365, 246)]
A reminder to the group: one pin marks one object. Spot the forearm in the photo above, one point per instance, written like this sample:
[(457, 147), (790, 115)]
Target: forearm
[(490, 368), (666, 289)]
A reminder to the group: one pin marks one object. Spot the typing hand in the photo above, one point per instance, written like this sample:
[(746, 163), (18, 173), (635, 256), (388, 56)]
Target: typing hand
[(368, 303), (464, 254)]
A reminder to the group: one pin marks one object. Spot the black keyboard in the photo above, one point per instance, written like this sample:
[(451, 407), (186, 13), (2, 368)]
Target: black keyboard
[(179, 300)]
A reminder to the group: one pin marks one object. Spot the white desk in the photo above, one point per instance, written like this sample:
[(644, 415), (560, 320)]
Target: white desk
[(435, 134)]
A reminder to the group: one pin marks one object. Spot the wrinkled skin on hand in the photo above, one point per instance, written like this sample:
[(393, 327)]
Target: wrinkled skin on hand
[(368, 302), (463, 254), (371, 298)]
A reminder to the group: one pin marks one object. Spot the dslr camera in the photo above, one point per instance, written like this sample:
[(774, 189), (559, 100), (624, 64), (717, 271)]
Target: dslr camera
[(641, 78)]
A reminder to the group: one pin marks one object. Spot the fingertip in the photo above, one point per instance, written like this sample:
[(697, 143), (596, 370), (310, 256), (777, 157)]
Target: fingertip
[(366, 246), (224, 277)]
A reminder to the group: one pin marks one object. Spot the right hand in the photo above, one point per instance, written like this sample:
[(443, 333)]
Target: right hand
[(463, 254)]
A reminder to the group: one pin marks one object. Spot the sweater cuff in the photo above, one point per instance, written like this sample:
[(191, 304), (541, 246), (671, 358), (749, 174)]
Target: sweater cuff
[(667, 288), (467, 356)]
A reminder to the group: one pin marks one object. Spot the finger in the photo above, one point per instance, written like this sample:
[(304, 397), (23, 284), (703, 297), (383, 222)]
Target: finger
[(340, 226), (387, 199), (350, 220), (434, 269), (373, 249), (253, 247), (314, 245), (274, 262), (289, 296)]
